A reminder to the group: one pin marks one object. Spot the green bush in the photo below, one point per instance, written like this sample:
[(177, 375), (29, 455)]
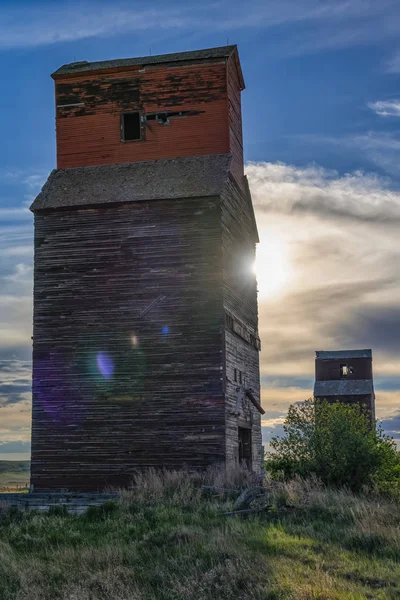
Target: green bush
[(336, 443)]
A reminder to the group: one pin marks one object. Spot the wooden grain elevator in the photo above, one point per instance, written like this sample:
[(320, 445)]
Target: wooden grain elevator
[(145, 339), (345, 376)]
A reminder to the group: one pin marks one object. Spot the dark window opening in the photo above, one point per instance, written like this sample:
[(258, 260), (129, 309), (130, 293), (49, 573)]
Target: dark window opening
[(238, 376), (131, 127), (245, 452), (229, 321), (164, 117), (346, 370)]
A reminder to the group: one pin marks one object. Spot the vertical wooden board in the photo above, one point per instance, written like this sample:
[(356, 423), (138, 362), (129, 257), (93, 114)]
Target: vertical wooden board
[(241, 326), (239, 355), (238, 246), (235, 120)]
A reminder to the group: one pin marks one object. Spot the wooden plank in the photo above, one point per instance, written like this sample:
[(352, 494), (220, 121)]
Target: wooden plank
[(118, 386)]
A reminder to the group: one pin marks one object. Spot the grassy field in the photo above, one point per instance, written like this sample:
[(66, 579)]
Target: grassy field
[(167, 541), (14, 475)]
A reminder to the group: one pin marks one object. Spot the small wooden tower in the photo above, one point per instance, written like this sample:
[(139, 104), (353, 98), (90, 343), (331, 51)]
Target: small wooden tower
[(145, 342), (345, 376)]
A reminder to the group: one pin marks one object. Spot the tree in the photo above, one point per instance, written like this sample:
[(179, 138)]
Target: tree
[(336, 443)]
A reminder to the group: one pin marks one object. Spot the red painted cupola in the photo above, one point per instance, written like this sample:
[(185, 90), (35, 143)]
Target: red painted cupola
[(153, 107)]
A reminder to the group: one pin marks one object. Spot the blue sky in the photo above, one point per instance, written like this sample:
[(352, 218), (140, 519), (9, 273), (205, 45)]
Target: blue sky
[(321, 116)]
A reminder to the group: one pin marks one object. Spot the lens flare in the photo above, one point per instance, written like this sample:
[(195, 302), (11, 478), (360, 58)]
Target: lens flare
[(105, 365), (165, 330), (135, 340)]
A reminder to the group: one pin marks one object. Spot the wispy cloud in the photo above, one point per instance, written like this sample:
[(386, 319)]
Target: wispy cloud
[(340, 235), (393, 65), (340, 22), (15, 382), (379, 148), (15, 214), (49, 23), (22, 274), (15, 406), (315, 190), (386, 108), (343, 289)]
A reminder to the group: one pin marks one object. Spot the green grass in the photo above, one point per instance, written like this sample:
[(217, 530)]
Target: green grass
[(14, 475), (166, 541)]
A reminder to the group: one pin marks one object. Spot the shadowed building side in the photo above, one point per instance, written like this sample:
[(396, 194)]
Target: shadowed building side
[(345, 376), (145, 342)]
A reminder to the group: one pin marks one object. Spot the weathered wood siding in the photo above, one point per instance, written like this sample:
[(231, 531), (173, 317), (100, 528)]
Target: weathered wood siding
[(329, 369), (128, 338), (235, 120), (89, 108), (238, 240), (361, 369), (241, 322), (239, 355)]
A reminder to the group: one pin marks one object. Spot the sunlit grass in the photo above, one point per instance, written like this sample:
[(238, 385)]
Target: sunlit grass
[(166, 541)]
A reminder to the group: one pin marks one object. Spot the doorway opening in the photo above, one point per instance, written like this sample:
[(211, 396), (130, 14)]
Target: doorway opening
[(245, 453)]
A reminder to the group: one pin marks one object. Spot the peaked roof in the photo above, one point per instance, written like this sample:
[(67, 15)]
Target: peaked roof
[(195, 55), (191, 177)]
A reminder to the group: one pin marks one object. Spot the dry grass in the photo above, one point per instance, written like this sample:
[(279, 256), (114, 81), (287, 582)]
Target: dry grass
[(167, 540), (331, 544)]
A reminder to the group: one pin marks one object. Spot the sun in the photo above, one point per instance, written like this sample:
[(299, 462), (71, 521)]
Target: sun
[(272, 266)]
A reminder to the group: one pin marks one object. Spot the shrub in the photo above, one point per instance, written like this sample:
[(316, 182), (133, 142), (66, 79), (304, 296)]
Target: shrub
[(337, 444)]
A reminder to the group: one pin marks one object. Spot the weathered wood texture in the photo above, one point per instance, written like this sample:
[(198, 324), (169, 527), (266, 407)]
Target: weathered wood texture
[(89, 108), (235, 119), (241, 323), (352, 386), (128, 339), (330, 369), (143, 309), (73, 503)]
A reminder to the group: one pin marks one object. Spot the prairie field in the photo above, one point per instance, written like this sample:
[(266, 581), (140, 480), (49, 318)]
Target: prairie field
[(169, 539), (14, 475)]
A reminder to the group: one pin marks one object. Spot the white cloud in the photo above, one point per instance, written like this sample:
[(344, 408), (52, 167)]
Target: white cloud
[(339, 235), (22, 274), (49, 24), (386, 108), (314, 190), (16, 253)]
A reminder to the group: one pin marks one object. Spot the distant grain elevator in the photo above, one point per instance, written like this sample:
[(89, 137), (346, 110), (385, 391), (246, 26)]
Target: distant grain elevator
[(345, 376), (145, 342)]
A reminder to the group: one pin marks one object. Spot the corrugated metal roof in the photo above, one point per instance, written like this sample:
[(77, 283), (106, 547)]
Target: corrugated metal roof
[(208, 53), (191, 177), (343, 387), (325, 354)]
